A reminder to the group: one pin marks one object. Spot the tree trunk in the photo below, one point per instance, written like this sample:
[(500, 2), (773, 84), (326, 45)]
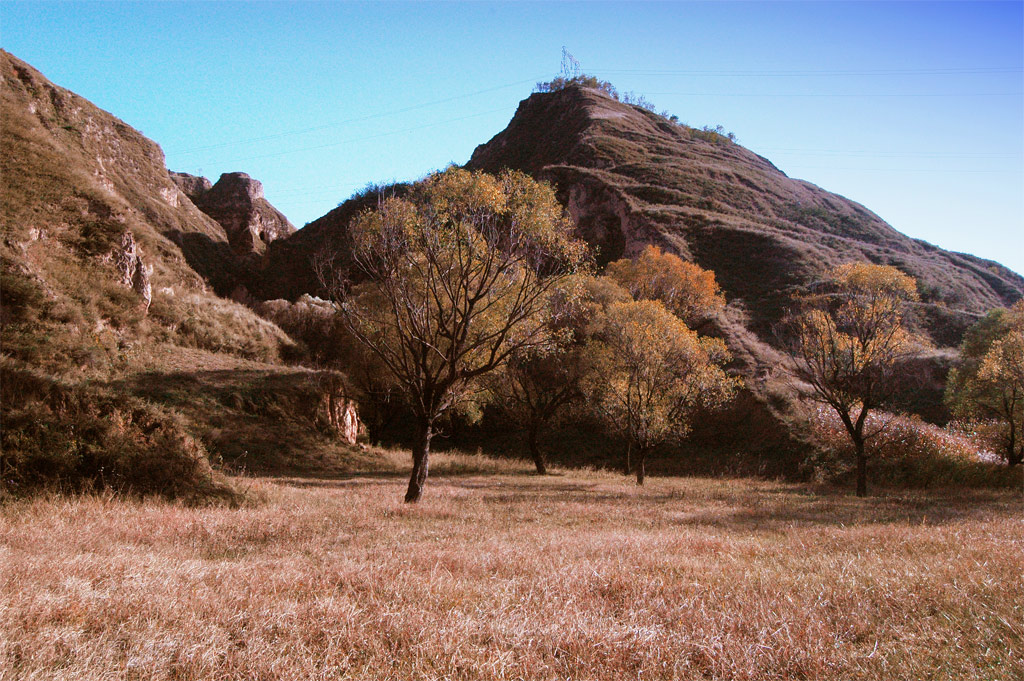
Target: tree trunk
[(1014, 454), (420, 462), (629, 451), (641, 471), (538, 456), (862, 468)]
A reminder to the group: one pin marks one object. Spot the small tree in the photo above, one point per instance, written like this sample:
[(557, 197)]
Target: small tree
[(458, 278), (989, 383), (686, 289), (848, 342), (653, 372), (539, 384), (534, 387)]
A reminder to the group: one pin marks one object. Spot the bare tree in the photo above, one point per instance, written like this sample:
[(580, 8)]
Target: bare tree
[(458, 275)]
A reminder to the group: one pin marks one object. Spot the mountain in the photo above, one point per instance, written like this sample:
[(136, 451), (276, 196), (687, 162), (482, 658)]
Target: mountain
[(115, 342), (631, 177)]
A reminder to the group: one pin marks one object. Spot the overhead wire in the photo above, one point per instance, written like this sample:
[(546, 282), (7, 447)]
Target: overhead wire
[(368, 137), (358, 119)]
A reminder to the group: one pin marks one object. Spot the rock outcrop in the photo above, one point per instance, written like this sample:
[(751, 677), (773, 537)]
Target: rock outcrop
[(336, 410), (192, 186), (133, 271), (237, 203)]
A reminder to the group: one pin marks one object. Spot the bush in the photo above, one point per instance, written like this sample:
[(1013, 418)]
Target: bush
[(76, 438), (583, 80), (906, 452)]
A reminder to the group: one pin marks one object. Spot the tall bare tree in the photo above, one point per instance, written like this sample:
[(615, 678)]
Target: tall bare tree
[(457, 279)]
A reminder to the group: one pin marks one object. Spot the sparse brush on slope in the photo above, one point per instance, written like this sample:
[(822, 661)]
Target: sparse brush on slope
[(68, 438)]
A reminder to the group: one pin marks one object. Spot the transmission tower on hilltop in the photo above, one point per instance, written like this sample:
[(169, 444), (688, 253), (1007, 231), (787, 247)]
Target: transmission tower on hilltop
[(570, 65)]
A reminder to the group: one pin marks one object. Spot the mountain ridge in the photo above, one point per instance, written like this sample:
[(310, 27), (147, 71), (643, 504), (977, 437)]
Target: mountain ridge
[(632, 177)]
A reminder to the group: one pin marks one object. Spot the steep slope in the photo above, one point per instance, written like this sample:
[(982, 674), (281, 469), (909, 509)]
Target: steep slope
[(108, 280), (88, 207), (630, 177)]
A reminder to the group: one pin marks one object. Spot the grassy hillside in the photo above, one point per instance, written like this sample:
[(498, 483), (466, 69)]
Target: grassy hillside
[(504, 575), (75, 181)]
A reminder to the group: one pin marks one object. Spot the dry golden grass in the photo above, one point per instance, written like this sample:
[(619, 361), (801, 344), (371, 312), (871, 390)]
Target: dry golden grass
[(501, 575)]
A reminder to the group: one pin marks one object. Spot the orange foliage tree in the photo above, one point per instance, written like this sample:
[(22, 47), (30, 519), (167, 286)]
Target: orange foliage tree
[(686, 289), (847, 342)]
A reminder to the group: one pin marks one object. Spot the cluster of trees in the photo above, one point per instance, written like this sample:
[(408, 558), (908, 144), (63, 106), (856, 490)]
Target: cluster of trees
[(473, 288), (850, 342), (987, 389)]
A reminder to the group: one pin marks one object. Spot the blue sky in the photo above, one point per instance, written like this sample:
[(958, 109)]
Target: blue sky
[(913, 109)]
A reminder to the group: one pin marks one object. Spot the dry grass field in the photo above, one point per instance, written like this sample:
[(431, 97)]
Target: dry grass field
[(498, 574)]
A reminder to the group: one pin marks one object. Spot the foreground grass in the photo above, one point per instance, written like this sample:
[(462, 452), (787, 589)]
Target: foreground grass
[(502, 575)]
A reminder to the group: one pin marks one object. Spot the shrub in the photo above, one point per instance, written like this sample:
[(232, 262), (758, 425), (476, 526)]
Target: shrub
[(582, 80), (906, 452), (79, 438)]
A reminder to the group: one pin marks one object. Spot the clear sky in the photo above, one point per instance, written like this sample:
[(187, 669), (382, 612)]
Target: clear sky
[(913, 109)]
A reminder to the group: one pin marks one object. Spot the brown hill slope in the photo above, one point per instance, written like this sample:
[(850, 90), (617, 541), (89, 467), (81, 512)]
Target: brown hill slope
[(630, 177), (109, 330), (78, 186)]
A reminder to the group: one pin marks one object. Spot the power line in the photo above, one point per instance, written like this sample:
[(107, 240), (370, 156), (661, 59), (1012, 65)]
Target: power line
[(864, 72), (904, 170), (883, 154), (839, 94), (303, 131), (368, 137)]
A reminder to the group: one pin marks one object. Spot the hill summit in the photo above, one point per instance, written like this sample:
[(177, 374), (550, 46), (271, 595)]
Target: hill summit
[(631, 177)]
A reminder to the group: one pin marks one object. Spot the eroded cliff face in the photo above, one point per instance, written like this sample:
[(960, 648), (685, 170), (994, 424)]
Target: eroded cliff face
[(133, 270), (238, 205), (193, 186)]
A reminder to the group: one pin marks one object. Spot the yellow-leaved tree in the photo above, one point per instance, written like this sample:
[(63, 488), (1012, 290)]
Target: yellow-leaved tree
[(652, 374), (686, 289), (988, 385), (458, 273), (847, 342)]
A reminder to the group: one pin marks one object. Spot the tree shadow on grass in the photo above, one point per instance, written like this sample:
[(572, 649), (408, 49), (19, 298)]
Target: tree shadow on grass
[(768, 508)]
